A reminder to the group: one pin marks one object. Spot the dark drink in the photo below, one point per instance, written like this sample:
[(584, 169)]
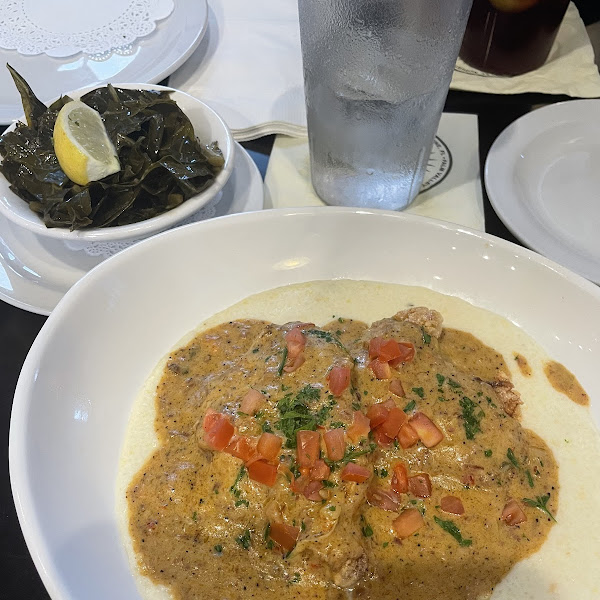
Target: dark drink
[(510, 37)]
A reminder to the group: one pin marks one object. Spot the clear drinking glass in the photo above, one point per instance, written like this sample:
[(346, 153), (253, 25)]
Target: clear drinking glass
[(376, 76)]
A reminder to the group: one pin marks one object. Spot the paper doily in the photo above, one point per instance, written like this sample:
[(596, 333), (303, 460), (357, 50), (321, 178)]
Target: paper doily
[(108, 249), (61, 28)]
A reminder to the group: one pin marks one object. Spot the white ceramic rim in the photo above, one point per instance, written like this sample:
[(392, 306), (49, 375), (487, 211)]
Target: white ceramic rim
[(142, 228), (19, 473), (514, 211)]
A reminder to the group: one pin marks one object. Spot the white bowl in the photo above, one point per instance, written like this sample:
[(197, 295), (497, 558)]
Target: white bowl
[(99, 345), (208, 126)]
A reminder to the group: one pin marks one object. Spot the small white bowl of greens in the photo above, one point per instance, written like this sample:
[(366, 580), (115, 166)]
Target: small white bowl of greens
[(175, 153)]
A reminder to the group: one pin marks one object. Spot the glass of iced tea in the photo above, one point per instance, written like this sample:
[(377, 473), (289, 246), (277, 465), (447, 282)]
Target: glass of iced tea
[(511, 37)]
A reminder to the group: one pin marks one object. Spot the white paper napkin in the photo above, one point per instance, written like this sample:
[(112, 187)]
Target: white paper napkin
[(249, 67), (454, 193)]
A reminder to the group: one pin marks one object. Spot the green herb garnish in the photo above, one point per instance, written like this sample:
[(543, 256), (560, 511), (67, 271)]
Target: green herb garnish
[(426, 336), (294, 414), (540, 503), (244, 540), (325, 335), (219, 548), (453, 530), (471, 421), (513, 459), (529, 478), (283, 361), (440, 379), (234, 489), (419, 392), (410, 406), (488, 453)]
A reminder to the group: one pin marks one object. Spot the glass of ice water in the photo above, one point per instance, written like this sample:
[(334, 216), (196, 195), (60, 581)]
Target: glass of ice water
[(376, 76)]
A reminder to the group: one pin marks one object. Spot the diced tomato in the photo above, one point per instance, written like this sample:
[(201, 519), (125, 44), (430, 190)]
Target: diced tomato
[(400, 479), (395, 419), (382, 498), (298, 484), (263, 472), (307, 448), (220, 433), (381, 369), (311, 491), (354, 472), (420, 485), (407, 436), (294, 363), (361, 425), (452, 505), (320, 471), (339, 380), (381, 439), (389, 350), (407, 353), (409, 521), (397, 388), (426, 429), (335, 444), (513, 513), (295, 341), (375, 346), (251, 402), (210, 418), (242, 446), (269, 446), (284, 535), (377, 413)]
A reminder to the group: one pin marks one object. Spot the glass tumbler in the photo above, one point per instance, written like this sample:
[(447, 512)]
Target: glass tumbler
[(376, 76)]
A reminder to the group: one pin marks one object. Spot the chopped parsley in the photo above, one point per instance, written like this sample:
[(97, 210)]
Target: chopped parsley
[(336, 425), (426, 336), (540, 503), (283, 361), (529, 478), (294, 414), (440, 379), (471, 420), (410, 406), (453, 384), (244, 540), (366, 529), (488, 453), (325, 335), (219, 548), (194, 516), (234, 489), (453, 530), (513, 459), (329, 484), (296, 578), (419, 392)]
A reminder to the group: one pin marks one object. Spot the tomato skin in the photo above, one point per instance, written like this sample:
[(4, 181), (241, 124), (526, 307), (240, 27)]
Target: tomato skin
[(361, 425), (407, 436), (295, 341), (354, 472), (339, 380), (251, 402), (452, 505), (319, 471), (409, 521), (397, 388), (381, 439), (381, 369), (420, 485), (426, 429), (284, 535), (395, 419), (307, 448), (269, 446), (407, 353), (382, 498), (263, 472), (513, 513), (311, 491), (400, 478), (389, 350), (335, 443), (220, 433), (377, 413), (243, 447)]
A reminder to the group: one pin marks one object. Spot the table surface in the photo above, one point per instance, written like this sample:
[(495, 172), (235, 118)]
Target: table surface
[(19, 328)]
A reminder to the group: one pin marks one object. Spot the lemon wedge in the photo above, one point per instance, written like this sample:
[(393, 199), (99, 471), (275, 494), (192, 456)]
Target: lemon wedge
[(81, 144)]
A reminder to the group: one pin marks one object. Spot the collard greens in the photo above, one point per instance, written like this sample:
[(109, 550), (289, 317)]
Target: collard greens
[(162, 162)]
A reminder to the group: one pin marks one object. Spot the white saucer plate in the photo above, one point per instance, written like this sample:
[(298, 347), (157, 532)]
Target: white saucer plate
[(151, 59), (542, 176), (36, 272)]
